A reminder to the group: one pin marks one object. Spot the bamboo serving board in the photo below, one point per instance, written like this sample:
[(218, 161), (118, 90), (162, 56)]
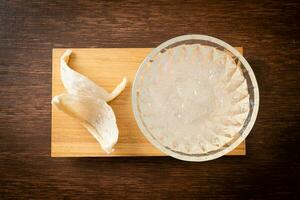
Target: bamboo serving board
[(106, 67)]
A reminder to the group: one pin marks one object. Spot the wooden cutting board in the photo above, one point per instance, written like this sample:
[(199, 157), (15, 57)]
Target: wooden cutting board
[(106, 67)]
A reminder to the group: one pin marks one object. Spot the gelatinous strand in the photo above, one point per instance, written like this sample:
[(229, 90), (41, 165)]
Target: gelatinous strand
[(201, 95)]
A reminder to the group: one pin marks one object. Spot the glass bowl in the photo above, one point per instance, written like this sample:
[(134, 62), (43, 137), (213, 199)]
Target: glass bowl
[(252, 89)]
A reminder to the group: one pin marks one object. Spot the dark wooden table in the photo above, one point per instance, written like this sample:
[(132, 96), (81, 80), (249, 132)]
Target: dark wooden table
[(269, 31)]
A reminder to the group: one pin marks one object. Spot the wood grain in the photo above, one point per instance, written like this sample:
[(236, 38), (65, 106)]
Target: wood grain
[(106, 67), (268, 30)]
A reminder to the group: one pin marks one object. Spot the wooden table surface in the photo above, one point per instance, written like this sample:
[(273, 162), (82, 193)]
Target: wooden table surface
[(269, 31)]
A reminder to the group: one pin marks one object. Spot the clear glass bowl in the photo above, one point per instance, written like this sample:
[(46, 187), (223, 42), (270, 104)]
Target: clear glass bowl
[(252, 89)]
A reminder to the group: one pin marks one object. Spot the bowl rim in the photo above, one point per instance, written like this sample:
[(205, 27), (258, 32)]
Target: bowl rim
[(252, 117)]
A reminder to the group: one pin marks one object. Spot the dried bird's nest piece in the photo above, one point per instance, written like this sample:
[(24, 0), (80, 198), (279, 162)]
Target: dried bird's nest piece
[(94, 114), (76, 83), (86, 101)]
